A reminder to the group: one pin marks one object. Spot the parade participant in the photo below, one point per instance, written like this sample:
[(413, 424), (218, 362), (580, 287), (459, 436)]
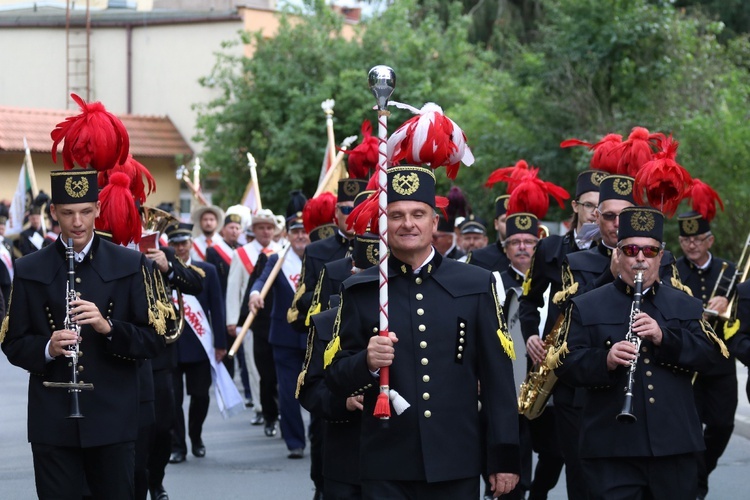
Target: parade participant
[(472, 233), (243, 263), (737, 331), (715, 389), (657, 346), (6, 259), (435, 305), (444, 239), (492, 257), (208, 221), (112, 313), (329, 249), (522, 236), (288, 345), (31, 239), (204, 315)]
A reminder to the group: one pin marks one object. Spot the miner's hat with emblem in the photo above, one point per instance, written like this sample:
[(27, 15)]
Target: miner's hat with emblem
[(74, 186), (473, 225), (350, 188), (365, 250), (643, 222), (589, 180), (692, 224), (177, 233), (501, 205), (412, 183), (233, 219), (617, 187), (521, 223)]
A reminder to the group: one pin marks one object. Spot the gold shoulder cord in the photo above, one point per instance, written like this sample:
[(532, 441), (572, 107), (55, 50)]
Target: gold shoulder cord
[(334, 345), (713, 337), (6, 319), (502, 332), (308, 357), (315, 305), (677, 282), (569, 286), (155, 316), (198, 270)]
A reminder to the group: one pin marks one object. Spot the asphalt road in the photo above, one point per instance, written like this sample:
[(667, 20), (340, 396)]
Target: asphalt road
[(241, 462)]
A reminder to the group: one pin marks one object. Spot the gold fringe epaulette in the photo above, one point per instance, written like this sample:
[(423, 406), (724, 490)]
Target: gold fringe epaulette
[(334, 345), (6, 319), (293, 313), (502, 332), (155, 317), (563, 295), (711, 334), (198, 270)]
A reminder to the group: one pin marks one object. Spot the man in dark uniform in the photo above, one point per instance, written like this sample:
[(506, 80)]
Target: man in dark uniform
[(6, 259), (545, 272), (446, 336), (31, 239), (492, 257), (737, 331), (715, 389), (653, 455), (444, 239), (334, 247), (112, 313), (203, 336), (473, 234)]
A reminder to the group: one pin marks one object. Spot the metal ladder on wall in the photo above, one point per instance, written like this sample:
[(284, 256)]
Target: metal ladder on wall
[(77, 54)]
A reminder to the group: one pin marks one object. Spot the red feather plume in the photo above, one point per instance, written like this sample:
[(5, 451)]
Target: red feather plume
[(318, 211), (638, 150), (95, 138), (532, 195), (118, 214), (664, 181), (704, 199), (602, 159), (364, 217), (511, 175), (363, 159), (135, 172)]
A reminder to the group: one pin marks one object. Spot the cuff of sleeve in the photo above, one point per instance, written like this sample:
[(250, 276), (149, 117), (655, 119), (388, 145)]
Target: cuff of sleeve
[(504, 458), (47, 357)]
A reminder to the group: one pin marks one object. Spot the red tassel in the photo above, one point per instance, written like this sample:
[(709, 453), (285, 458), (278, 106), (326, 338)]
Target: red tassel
[(364, 217), (636, 151), (118, 213), (602, 159), (135, 172), (664, 181), (95, 138), (318, 211), (382, 406), (511, 175), (363, 159), (704, 199)]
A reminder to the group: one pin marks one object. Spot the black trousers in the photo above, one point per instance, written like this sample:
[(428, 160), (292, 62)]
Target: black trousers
[(421, 490), (636, 478), (197, 382), (161, 439), (568, 430), (316, 433), (263, 355), (336, 490), (545, 443), (60, 472)]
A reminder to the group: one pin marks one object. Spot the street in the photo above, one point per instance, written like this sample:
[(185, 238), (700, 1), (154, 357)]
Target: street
[(241, 462)]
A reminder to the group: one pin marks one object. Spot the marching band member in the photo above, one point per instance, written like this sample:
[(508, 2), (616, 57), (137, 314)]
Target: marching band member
[(492, 257)]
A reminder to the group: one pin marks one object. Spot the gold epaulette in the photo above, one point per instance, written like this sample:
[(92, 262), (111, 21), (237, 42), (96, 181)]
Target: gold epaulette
[(677, 282), (711, 334), (502, 332), (559, 342), (198, 270), (334, 345), (293, 313), (155, 317), (569, 286), (6, 319)]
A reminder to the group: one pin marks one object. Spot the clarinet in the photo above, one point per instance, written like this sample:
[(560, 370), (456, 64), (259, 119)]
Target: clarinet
[(74, 387), (626, 414)]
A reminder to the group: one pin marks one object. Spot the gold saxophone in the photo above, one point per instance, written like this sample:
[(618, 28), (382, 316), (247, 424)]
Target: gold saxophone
[(536, 389)]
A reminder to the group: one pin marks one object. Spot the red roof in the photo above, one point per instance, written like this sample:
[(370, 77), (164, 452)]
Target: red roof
[(150, 136)]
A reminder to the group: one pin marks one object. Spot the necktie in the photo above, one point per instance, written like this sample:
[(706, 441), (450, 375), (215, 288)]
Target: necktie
[(208, 242), (267, 251)]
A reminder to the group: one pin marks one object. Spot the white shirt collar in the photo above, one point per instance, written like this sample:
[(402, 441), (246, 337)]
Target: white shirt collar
[(79, 256), (428, 259), (708, 262)]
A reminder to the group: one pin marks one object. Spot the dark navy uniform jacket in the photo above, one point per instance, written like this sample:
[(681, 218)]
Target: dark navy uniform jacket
[(492, 257), (448, 322), (663, 403), (113, 278)]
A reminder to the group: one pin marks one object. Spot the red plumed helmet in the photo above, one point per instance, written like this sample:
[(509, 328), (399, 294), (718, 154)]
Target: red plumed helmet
[(318, 211), (638, 150), (429, 138), (664, 181), (532, 195), (135, 171), (118, 214), (363, 159), (511, 175), (602, 159), (95, 138), (704, 199)]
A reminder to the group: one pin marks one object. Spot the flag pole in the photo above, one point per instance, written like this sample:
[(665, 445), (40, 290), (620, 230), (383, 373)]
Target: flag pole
[(382, 80), (254, 179), (335, 167), (327, 106), (32, 180)]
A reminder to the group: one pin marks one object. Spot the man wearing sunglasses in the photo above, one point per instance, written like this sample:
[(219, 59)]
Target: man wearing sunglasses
[(716, 389), (654, 455)]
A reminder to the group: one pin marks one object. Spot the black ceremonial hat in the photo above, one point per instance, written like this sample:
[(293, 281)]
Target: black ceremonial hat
[(365, 250), (473, 225), (616, 187), (323, 232), (693, 223), (407, 182), (501, 205), (350, 188), (74, 186), (521, 223), (589, 180), (643, 222), (177, 233), (233, 218)]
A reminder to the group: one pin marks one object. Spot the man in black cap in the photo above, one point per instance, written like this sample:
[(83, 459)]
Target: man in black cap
[(202, 339), (492, 257), (447, 335), (653, 454), (332, 248), (112, 313), (472, 234), (708, 277), (31, 239), (444, 239)]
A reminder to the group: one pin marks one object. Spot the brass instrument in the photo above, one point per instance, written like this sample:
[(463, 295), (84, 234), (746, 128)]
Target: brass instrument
[(626, 414), (154, 220), (74, 386), (743, 266), (536, 390)]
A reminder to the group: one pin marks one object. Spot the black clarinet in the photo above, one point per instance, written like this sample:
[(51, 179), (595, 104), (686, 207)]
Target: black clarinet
[(74, 386), (626, 415)]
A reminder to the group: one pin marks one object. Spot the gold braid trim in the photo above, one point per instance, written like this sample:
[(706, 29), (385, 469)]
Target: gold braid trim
[(198, 270), (677, 282), (164, 299), (334, 345), (293, 313), (155, 319), (569, 286), (715, 338), (306, 363), (527, 282), (502, 332), (6, 319), (559, 342), (315, 305)]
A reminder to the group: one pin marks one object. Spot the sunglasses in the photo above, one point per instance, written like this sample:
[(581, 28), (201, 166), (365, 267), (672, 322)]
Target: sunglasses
[(608, 216), (345, 209), (648, 251)]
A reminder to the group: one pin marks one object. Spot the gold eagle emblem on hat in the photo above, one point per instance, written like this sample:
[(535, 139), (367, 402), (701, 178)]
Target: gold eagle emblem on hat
[(643, 221), (623, 187), (325, 232), (690, 226), (405, 185), (76, 187)]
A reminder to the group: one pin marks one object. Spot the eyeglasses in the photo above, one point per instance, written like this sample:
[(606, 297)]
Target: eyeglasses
[(608, 216), (694, 240), (345, 209), (590, 207), (517, 243), (649, 251)]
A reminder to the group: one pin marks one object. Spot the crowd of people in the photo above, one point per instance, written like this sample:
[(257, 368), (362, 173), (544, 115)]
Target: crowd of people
[(637, 400)]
